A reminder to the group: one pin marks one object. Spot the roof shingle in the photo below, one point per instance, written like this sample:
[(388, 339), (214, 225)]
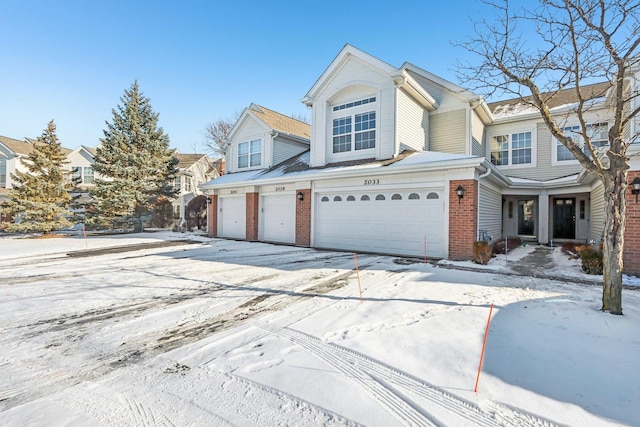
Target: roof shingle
[(282, 123)]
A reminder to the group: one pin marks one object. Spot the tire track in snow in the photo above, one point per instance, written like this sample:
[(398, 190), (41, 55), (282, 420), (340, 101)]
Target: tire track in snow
[(406, 412), (387, 374)]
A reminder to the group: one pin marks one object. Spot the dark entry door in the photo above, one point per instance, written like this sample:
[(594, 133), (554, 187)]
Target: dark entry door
[(526, 217), (564, 218)]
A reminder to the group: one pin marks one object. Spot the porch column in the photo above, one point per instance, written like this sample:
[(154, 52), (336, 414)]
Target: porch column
[(543, 217)]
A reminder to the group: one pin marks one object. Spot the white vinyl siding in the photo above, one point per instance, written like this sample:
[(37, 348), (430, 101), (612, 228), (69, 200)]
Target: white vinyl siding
[(448, 132), (284, 150), (3, 172), (490, 210), (544, 170), (413, 123), (477, 136), (597, 212)]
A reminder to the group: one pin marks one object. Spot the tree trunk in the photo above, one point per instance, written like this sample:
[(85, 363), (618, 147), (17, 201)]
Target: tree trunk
[(613, 239)]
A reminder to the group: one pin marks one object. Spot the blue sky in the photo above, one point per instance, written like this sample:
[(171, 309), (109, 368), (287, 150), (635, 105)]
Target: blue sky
[(199, 60)]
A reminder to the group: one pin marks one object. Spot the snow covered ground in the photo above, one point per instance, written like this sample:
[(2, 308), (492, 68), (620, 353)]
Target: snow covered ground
[(217, 332)]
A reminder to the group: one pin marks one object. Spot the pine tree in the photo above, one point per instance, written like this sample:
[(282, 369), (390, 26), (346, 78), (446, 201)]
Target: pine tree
[(40, 198), (135, 165)]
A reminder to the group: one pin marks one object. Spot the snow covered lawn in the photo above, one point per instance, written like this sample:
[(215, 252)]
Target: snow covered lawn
[(217, 332)]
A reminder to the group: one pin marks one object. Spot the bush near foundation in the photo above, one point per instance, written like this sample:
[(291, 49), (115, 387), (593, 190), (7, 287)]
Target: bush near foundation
[(591, 259), (482, 252), (499, 246)]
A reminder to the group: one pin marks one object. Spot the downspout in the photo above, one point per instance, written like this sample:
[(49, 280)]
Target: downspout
[(484, 175), (274, 135)]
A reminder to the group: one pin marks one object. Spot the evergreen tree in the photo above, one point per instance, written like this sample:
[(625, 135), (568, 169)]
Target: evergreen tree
[(40, 198), (135, 165)]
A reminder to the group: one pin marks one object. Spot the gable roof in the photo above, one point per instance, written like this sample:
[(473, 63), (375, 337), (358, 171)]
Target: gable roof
[(186, 160), (347, 52), (17, 146), (562, 97), (280, 122)]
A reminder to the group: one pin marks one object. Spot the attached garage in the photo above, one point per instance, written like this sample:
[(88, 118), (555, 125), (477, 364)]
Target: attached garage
[(232, 214), (399, 222), (278, 218)]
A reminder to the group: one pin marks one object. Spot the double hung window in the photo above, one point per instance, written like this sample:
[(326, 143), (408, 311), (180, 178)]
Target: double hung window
[(354, 126), (598, 134), (512, 149), (250, 154)]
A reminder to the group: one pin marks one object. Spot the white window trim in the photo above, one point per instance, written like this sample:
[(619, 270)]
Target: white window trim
[(237, 156), (555, 142), (352, 112), (510, 132)]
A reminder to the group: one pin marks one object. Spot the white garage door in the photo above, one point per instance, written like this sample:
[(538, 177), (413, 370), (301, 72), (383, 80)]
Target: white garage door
[(278, 218), (232, 214), (394, 222)]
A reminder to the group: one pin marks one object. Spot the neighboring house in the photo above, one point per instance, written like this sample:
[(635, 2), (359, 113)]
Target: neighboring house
[(189, 207), (80, 163)]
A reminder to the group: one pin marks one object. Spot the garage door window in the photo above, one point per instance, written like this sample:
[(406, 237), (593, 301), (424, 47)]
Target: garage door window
[(380, 197), (337, 199), (433, 196), (414, 196), (351, 199), (324, 199), (365, 198), (396, 197)]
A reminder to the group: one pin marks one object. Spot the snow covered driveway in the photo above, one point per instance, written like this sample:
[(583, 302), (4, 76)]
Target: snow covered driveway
[(146, 330)]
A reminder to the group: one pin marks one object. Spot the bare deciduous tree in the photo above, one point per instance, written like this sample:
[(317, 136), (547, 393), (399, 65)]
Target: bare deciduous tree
[(215, 134), (562, 44)]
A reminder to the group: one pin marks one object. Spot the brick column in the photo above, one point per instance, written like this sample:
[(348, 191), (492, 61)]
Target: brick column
[(631, 254), (212, 217), (252, 216), (303, 218), (463, 219)]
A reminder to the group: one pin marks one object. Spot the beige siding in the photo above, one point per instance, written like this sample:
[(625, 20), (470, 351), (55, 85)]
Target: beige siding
[(597, 212), (543, 169), (490, 210), (284, 150), (413, 123), (447, 132), (477, 132)]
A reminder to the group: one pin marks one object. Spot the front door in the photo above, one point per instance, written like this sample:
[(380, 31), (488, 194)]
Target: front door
[(564, 218), (526, 217)]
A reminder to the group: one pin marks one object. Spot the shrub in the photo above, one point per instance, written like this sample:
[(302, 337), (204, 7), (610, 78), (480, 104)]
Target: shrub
[(481, 252), (499, 246), (591, 259)]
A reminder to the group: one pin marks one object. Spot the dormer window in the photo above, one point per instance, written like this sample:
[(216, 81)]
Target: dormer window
[(250, 154), (354, 126)]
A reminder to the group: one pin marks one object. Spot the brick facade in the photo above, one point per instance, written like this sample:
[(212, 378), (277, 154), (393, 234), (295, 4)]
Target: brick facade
[(303, 218), (631, 255), (252, 216), (463, 219), (212, 217)]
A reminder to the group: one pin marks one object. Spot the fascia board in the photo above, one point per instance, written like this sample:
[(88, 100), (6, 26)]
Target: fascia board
[(323, 174), (338, 61)]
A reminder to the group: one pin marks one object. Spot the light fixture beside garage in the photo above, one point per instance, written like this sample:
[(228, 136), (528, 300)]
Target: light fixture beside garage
[(635, 187), (460, 192), (300, 195)]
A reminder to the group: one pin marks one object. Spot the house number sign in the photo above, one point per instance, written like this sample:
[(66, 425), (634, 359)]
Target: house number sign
[(233, 192), (371, 181), (279, 188)]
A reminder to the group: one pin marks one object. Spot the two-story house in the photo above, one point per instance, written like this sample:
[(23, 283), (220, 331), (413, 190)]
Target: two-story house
[(189, 206), (401, 161)]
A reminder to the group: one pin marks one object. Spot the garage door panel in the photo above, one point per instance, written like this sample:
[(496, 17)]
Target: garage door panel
[(398, 224), (278, 218), (233, 213)]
